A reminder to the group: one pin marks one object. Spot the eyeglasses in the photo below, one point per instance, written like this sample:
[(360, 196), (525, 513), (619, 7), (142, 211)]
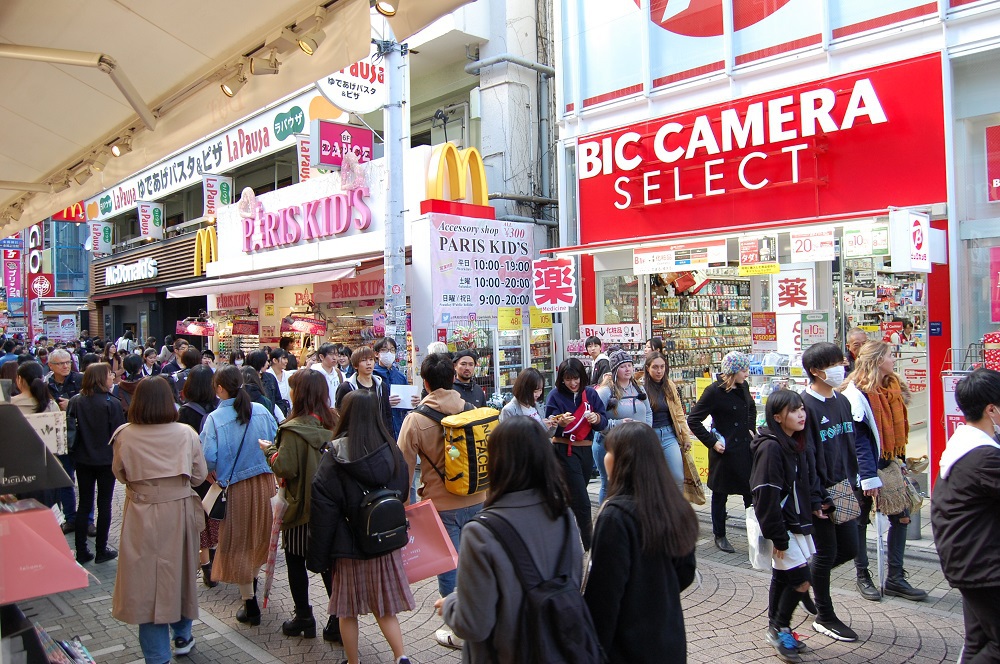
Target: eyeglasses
[(59, 364)]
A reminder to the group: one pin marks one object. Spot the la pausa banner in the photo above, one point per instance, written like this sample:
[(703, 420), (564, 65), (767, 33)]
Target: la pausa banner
[(478, 266), (808, 150)]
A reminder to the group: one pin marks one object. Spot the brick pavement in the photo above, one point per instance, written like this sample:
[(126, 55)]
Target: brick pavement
[(724, 614)]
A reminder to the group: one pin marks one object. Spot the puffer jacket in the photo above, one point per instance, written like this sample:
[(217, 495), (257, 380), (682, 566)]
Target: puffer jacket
[(294, 457), (337, 492), (781, 480)]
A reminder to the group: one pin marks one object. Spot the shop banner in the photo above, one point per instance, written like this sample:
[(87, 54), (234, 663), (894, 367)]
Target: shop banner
[(303, 324), (74, 213), (67, 328), (792, 291), (993, 162), (100, 237), (994, 284), (509, 319), (866, 240), (12, 273), (217, 190), (759, 255), (347, 290), (477, 266), (812, 246), (763, 331), (909, 233), (335, 140), (679, 257), (234, 301), (151, 220), (246, 327), (815, 328), (195, 328), (554, 284), (360, 88), (952, 414), (303, 157), (539, 320), (621, 333), (12, 243)]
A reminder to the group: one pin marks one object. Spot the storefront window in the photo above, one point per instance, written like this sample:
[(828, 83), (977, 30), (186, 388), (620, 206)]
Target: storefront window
[(70, 264), (617, 298)]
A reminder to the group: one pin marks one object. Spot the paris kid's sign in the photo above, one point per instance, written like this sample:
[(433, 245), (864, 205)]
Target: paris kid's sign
[(794, 153)]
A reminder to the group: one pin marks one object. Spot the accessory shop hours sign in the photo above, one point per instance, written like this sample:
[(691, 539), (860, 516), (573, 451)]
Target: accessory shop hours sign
[(478, 266)]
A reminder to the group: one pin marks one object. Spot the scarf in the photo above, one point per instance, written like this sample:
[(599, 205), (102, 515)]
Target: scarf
[(890, 417)]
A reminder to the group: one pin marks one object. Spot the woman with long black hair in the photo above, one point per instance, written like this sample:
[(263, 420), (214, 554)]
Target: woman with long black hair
[(33, 392)]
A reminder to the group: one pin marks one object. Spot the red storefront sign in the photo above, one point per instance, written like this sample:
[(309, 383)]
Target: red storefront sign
[(993, 162), (74, 213), (852, 143)]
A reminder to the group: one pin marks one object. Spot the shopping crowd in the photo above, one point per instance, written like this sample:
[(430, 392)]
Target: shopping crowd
[(174, 424)]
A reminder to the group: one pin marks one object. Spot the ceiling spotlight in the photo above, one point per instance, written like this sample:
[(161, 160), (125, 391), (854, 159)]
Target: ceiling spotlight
[(310, 40), (100, 160), (262, 66), (60, 185), (282, 41), (385, 8), (234, 83), (15, 211), (83, 174), (122, 146)]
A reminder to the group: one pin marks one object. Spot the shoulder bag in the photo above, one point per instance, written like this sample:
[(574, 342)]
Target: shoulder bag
[(214, 502), (893, 497), (845, 503)]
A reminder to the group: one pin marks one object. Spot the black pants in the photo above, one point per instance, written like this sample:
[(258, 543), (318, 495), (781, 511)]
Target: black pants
[(982, 624), (578, 467), (895, 540), (298, 581), (783, 596), (835, 545), (88, 478), (719, 511)]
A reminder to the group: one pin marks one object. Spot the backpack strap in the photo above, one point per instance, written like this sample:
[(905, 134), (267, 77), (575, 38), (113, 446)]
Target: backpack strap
[(517, 551)]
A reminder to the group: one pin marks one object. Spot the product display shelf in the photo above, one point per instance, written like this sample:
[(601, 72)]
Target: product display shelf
[(540, 350)]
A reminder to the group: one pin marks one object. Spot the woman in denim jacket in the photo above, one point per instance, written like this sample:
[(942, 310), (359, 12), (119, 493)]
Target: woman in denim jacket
[(230, 440)]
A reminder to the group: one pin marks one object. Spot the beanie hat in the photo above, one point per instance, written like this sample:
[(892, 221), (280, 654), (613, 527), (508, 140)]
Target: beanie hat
[(734, 362), (616, 359)]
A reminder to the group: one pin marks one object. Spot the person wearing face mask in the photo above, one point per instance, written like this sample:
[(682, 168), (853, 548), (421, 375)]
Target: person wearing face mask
[(734, 418), (830, 431), (387, 369), (237, 358)]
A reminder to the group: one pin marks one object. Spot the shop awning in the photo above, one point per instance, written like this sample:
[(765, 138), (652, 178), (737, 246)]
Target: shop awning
[(277, 279)]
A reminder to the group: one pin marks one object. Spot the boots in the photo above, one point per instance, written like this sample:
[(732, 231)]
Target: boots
[(332, 630), (866, 587), (206, 575), (302, 623), (897, 586), (250, 613)]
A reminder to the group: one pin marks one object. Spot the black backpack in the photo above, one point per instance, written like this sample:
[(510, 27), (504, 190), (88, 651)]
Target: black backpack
[(379, 522), (555, 623)]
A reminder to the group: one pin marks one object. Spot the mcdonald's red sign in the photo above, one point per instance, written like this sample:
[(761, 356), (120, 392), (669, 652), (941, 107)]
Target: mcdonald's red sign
[(74, 213)]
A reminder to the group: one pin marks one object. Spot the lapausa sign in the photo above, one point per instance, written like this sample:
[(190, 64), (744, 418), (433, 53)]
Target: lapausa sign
[(360, 88), (218, 191), (100, 237), (151, 220), (330, 141)]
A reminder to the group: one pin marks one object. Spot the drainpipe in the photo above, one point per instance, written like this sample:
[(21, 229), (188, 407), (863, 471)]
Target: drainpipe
[(545, 73)]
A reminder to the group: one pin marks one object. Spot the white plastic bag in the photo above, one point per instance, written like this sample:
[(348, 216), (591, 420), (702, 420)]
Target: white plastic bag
[(759, 546)]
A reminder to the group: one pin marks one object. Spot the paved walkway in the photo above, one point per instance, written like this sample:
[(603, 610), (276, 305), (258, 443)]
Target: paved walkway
[(724, 614)]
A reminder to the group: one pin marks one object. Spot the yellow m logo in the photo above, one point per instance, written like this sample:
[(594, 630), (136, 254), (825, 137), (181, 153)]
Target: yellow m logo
[(206, 249), (459, 170)]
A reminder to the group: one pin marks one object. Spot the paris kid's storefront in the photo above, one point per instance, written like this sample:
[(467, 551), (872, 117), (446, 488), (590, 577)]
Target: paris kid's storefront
[(771, 222)]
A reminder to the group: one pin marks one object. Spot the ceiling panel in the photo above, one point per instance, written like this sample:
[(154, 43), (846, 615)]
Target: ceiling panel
[(23, 142)]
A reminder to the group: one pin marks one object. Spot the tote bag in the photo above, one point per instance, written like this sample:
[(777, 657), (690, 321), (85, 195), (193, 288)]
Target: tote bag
[(429, 551), (694, 492), (760, 548)]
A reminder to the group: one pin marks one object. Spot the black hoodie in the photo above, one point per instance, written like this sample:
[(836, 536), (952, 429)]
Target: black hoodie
[(780, 481), (471, 393), (337, 490)]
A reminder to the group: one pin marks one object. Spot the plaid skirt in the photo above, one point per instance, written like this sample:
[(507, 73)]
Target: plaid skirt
[(378, 586)]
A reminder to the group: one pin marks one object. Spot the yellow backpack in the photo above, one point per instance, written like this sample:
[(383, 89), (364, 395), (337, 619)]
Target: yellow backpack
[(465, 457)]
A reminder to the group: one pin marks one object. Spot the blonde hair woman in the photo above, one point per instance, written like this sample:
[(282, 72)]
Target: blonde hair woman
[(879, 401)]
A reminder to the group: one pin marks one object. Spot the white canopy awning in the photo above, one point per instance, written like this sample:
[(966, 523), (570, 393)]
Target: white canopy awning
[(277, 279)]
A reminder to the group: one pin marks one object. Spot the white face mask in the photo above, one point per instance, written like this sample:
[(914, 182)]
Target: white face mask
[(834, 375), (996, 428), (386, 359), (239, 363)]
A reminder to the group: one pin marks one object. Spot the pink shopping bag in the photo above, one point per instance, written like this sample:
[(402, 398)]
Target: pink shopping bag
[(429, 551)]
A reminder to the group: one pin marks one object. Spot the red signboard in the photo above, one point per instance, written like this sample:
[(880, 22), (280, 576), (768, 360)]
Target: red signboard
[(74, 213), (993, 162), (852, 143), (994, 285), (195, 328)]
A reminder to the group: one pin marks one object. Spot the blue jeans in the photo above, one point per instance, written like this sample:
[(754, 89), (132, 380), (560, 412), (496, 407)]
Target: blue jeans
[(453, 521), (672, 452), (599, 452), (154, 639)]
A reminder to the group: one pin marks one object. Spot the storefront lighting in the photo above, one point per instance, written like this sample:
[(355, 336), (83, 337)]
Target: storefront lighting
[(100, 160), (122, 146), (234, 83), (265, 66), (310, 40), (385, 8), (83, 174)]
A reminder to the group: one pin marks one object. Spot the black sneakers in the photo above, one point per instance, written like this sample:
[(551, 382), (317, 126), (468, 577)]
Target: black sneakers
[(182, 646), (835, 629), (784, 644), (105, 554)]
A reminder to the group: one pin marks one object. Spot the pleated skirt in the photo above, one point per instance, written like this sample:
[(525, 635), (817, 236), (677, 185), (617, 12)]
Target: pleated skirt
[(377, 586), (246, 531)]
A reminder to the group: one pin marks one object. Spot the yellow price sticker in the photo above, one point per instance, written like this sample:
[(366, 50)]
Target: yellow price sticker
[(509, 318), (769, 371), (539, 319)]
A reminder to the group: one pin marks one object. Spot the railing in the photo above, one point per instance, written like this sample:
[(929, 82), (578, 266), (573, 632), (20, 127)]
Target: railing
[(192, 226)]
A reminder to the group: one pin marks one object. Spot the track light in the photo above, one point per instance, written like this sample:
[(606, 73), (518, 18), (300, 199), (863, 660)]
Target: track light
[(83, 174), (100, 160), (310, 40), (262, 66), (15, 211), (234, 83), (122, 146), (385, 8), (60, 185)]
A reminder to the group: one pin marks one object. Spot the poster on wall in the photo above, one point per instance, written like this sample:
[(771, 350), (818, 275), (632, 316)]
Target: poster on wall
[(679, 257), (815, 328), (759, 255), (67, 327), (478, 265), (303, 324), (554, 284), (763, 331)]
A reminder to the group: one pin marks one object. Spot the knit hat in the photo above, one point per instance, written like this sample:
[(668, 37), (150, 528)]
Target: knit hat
[(734, 362), (616, 359)]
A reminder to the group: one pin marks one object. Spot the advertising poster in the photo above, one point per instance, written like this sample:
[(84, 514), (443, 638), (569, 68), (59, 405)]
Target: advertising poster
[(812, 246), (245, 327), (994, 284), (759, 255), (12, 273), (618, 333), (67, 327), (866, 240), (815, 327), (764, 331), (303, 324), (478, 265), (679, 257)]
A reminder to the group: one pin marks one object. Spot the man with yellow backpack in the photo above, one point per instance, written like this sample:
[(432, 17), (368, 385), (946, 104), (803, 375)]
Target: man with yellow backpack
[(450, 437)]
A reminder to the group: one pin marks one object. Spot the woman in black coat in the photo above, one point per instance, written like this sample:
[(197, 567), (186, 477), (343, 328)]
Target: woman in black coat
[(734, 417)]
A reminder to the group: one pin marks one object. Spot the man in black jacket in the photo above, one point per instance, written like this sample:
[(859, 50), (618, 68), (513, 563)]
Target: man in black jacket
[(465, 384), (965, 513)]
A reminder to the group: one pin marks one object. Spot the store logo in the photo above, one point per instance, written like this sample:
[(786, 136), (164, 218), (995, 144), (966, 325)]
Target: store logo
[(312, 220), (206, 249), (450, 166), (41, 286), (144, 268), (106, 204), (703, 18), (292, 122), (918, 235)]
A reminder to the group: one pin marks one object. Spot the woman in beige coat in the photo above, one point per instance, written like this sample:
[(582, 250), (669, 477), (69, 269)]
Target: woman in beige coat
[(159, 460)]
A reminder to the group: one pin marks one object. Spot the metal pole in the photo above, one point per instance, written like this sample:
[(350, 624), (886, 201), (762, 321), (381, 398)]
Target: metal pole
[(395, 231)]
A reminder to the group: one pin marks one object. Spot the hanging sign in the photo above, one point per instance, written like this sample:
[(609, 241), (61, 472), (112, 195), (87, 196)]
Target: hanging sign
[(617, 333), (909, 233), (303, 324), (759, 255), (195, 328), (360, 88), (866, 240), (13, 242), (509, 319), (246, 327), (764, 331), (812, 246), (334, 140), (100, 237), (217, 190), (679, 257), (303, 156), (12, 273), (554, 282), (815, 328), (151, 220)]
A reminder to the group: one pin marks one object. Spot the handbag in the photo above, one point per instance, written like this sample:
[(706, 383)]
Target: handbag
[(845, 503), (580, 428), (214, 502), (429, 551), (694, 492), (914, 494), (893, 497), (760, 548)]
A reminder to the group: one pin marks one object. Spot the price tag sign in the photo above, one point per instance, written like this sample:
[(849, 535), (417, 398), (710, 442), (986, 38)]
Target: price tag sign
[(539, 319), (509, 318), (812, 246)]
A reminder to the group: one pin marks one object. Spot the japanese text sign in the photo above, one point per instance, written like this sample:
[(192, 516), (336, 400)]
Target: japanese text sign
[(554, 283), (617, 333), (792, 291), (12, 273), (360, 88), (815, 326), (811, 246), (217, 190), (330, 141), (759, 255), (151, 220), (764, 331), (679, 257)]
